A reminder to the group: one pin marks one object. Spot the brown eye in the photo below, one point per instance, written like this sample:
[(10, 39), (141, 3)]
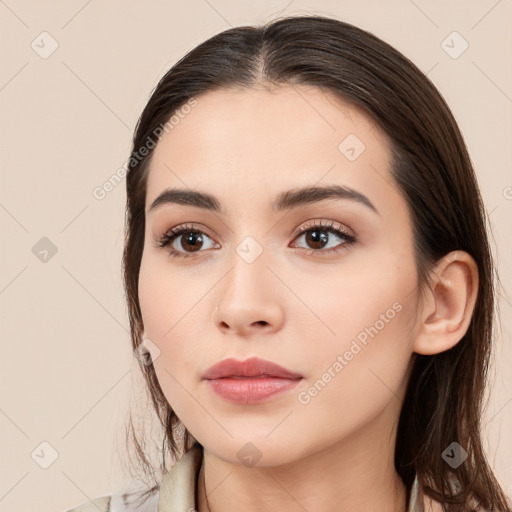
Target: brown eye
[(184, 241), (191, 241), (318, 236)]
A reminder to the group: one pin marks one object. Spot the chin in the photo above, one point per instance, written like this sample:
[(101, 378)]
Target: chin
[(255, 451)]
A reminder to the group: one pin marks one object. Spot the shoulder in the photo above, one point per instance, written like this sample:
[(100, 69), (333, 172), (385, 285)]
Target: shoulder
[(101, 504), (122, 502), (178, 490)]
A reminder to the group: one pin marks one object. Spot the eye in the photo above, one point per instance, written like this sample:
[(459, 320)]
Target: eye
[(175, 238), (319, 235), (184, 241)]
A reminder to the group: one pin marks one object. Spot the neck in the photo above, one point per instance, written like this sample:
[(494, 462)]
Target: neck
[(355, 474)]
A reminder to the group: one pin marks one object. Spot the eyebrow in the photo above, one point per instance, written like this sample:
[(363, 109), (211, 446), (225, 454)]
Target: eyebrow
[(284, 201)]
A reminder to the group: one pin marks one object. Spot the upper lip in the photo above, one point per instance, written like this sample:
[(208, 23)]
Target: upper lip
[(252, 367)]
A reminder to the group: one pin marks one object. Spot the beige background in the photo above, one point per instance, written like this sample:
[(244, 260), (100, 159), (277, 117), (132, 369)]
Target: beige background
[(66, 125)]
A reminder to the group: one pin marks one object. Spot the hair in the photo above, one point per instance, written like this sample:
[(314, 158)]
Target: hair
[(433, 171)]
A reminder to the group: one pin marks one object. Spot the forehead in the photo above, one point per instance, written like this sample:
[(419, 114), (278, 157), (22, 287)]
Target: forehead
[(254, 143)]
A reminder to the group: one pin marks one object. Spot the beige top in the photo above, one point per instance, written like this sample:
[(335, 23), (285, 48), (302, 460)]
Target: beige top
[(178, 490)]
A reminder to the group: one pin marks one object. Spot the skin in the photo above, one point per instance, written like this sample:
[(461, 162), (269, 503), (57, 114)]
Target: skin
[(299, 310)]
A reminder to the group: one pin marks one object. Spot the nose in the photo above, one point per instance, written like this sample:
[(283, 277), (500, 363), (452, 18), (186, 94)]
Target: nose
[(249, 301)]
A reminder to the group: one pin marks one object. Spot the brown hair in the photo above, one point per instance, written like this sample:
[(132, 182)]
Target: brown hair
[(433, 171)]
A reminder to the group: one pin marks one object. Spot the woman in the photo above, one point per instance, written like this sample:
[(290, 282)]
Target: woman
[(308, 274)]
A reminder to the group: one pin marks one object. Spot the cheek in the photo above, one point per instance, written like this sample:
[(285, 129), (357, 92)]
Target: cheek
[(153, 299), (368, 298), (171, 308), (167, 325), (367, 331), (361, 371), (167, 297)]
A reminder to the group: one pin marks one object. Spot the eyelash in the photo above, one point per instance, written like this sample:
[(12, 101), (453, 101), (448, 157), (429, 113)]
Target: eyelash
[(168, 238)]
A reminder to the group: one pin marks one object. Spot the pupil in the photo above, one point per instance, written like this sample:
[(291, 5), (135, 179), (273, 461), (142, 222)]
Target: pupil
[(191, 239), (317, 237)]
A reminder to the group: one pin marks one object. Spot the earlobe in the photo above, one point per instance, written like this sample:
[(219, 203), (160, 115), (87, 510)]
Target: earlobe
[(447, 304)]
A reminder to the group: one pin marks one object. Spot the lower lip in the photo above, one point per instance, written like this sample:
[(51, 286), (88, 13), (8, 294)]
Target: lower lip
[(250, 390)]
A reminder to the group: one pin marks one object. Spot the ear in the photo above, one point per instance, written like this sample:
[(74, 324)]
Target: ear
[(447, 303)]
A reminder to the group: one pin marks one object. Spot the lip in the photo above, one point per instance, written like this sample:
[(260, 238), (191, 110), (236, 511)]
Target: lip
[(249, 382), (252, 367)]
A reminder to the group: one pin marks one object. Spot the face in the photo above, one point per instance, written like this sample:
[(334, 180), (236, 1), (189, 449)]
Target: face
[(321, 284)]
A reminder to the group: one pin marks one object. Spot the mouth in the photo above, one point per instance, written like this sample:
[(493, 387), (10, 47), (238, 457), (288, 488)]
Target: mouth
[(249, 382), (253, 368), (260, 376), (245, 390)]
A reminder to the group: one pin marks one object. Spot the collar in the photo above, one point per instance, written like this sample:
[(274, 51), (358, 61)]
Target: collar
[(178, 488)]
